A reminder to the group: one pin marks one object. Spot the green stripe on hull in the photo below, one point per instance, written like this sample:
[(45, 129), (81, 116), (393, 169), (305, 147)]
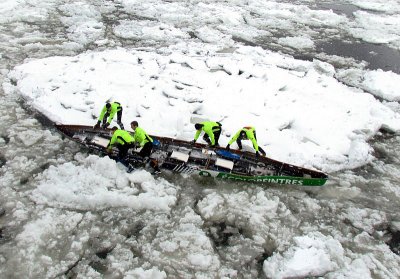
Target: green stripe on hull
[(275, 179)]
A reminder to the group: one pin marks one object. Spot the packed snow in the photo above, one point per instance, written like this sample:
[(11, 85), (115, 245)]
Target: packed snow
[(302, 114), (64, 213)]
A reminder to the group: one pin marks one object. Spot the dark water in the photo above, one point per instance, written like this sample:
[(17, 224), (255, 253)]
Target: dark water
[(377, 56), (338, 8)]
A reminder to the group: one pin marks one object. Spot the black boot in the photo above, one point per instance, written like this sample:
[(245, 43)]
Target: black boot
[(130, 168)]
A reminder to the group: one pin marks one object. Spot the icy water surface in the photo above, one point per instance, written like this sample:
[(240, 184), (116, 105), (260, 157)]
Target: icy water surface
[(356, 213), (377, 56)]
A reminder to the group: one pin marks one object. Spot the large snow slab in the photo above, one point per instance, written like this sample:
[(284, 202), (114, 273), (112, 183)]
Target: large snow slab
[(302, 114)]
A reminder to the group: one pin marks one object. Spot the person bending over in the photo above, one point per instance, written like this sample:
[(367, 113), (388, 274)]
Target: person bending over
[(107, 114), (246, 133), (212, 131)]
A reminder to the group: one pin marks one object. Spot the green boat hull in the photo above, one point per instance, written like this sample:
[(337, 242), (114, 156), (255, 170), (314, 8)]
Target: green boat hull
[(299, 181)]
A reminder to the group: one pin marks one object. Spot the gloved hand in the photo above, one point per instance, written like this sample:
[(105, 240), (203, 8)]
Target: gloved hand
[(228, 147), (257, 154), (106, 125), (193, 142), (97, 125)]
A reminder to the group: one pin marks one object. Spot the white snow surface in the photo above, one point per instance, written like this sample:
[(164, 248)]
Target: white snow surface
[(80, 187), (296, 42), (302, 114), (311, 255), (381, 84)]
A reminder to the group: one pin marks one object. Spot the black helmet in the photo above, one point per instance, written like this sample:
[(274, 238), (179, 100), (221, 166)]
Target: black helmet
[(108, 105), (198, 126), (242, 134)]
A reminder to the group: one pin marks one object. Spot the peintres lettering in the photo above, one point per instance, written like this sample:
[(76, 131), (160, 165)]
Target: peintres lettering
[(276, 180)]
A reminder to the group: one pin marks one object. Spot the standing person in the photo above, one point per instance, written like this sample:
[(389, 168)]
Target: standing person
[(212, 131), (146, 142), (108, 111), (246, 133), (123, 140)]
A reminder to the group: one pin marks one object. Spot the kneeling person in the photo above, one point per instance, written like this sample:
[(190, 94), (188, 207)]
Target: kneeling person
[(121, 139), (246, 133)]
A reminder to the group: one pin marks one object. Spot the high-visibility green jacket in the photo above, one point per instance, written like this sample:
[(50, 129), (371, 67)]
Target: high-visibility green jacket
[(141, 137), (120, 137), (249, 136), (209, 128), (115, 107)]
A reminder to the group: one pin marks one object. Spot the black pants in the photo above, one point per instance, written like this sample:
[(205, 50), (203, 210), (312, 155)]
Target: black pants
[(123, 150), (146, 152), (216, 133), (119, 117), (239, 143)]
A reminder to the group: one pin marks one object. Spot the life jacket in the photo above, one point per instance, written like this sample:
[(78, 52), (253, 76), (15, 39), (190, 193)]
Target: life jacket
[(209, 127), (114, 108), (121, 137), (141, 137)]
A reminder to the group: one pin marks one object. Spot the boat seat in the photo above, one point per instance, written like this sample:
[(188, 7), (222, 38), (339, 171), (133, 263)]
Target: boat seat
[(179, 156), (224, 163), (100, 141)]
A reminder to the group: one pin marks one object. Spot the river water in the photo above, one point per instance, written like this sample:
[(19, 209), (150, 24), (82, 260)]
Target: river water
[(373, 188)]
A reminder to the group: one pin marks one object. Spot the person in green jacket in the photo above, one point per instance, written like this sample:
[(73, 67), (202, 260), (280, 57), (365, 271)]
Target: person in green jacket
[(107, 115), (212, 131), (121, 139), (142, 139), (246, 133)]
